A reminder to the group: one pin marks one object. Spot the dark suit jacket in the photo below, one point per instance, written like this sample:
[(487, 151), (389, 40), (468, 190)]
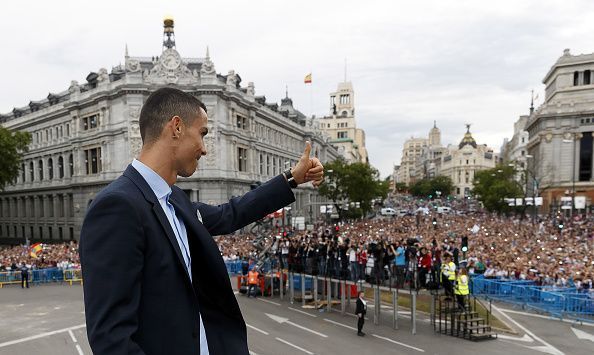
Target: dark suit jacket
[(360, 308), (137, 292)]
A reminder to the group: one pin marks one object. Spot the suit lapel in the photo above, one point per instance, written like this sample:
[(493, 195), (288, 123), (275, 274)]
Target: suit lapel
[(149, 195)]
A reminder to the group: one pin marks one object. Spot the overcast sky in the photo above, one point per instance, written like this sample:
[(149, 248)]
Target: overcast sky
[(410, 63)]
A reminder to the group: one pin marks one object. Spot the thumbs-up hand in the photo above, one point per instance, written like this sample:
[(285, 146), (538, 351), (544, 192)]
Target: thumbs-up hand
[(308, 169)]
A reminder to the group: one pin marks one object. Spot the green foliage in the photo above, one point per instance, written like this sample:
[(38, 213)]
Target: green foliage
[(493, 185), (356, 182), (429, 187), (12, 147), (400, 187)]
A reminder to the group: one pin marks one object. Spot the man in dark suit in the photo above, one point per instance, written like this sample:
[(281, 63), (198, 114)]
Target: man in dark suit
[(155, 281), (360, 311)]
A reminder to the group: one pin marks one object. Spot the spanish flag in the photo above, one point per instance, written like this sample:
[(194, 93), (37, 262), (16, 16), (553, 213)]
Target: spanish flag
[(307, 79), (35, 250)]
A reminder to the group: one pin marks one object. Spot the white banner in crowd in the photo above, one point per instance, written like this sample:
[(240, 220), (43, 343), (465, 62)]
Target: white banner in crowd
[(519, 201), (529, 201), (538, 201), (580, 202), (566, 203)]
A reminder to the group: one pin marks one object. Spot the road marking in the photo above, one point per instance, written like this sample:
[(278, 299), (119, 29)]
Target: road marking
[(80, 352), (582, 335), (399, 343), (295, 346), (72, 336), (267, 301), (303, 312), (544, 317), (526, 338), (547, 348), (252, 353), (42, 335), (337, 323), (256, 329), (282, 320)]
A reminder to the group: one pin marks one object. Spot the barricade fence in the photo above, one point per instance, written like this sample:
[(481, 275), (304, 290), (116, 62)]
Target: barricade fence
[(557, 302), (41, 276)]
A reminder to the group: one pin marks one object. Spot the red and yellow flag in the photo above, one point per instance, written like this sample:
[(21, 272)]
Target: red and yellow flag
[(35, 250), (307, 79)]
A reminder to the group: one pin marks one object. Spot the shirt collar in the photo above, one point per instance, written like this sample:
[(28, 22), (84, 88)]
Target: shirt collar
[(155, 181)]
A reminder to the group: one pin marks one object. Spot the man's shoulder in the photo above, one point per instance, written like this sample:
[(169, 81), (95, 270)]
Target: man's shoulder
[(121, 188)]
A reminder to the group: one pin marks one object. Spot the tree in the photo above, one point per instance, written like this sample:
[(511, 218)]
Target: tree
[(400, 187), (12, 147), (430, 187), (493, 185), (356, 182)]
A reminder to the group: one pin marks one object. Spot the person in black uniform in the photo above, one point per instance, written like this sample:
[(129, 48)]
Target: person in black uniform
[(24, 276), (360, 312)]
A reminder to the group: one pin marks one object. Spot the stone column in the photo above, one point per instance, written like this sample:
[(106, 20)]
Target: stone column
[(45, 206), (66, 208)]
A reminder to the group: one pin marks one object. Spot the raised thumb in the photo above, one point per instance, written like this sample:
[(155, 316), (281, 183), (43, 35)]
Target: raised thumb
[(307, 150)]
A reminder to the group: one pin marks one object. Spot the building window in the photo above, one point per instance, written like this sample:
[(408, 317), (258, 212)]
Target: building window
[(71, 232), (71, 165), (42, 209), (586, 77), (342, 134), (90, 122), (93, 161), (67, 129), (23, 173), (70, 205), (576, 78), (50, 232), (40, 169), (344, 99), (467, 162), (50, 168), (261, 164), (242, 122), (241, 159), (60, 167), (332, 100), (585, 172), (50, 207), (268, 165)]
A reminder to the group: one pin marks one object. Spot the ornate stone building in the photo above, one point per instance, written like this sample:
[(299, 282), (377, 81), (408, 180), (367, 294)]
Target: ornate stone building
[(342, 127), (560, 131), (85, 136), (461, 163)]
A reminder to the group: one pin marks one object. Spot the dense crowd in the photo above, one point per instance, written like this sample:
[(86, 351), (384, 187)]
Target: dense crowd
[(62, 255), (549, 251)]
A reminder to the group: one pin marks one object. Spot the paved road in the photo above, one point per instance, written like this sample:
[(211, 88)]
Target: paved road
[(50, 320)]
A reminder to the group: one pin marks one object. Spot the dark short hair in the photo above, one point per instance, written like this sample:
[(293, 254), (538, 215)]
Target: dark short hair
[(161, 106)]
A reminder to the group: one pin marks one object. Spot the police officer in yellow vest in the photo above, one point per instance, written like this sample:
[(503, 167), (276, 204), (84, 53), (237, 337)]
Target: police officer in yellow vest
[(461, 289), (448, 274), (252, 281)]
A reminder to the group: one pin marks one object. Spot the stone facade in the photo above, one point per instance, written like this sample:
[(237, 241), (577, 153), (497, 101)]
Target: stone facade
[(341, 125), (411, 161), (85, 136), (560, 131)]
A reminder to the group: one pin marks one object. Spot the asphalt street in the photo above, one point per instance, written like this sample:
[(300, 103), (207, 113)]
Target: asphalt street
[(50, 320)]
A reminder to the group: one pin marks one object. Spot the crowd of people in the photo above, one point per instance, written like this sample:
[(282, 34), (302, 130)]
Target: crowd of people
[(409, 250), (61, 255)]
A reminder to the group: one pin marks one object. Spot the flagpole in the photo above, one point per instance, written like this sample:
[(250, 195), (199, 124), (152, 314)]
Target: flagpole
[(311, 96)]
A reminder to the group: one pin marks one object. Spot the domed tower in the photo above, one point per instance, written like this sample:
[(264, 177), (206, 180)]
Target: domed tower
[(434, 136), (467, 140)]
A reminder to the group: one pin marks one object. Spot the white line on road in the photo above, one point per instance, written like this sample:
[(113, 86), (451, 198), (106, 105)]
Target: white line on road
[(399, 343), (256, 329), (526, 338), (80, 352), (252, 353), (295, 346), (303, 312), (337, 323), (548, 347), (282, 320), (42, 335), (543, 317), (72, 336), (267, 301), (582, 335)]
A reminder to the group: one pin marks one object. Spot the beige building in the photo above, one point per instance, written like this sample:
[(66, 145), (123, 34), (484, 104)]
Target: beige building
[(341, 125), (412, 152), (461, 163), (561, 131)]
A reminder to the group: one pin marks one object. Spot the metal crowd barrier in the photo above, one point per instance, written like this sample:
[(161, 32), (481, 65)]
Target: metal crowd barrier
[(555, 301), (42, 276)]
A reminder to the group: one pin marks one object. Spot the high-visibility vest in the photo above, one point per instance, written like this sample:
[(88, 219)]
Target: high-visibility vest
[(253, 277), (449, 269), (461, 285)]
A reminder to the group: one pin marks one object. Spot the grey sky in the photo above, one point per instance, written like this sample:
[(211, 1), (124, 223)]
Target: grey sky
[(410, 63)]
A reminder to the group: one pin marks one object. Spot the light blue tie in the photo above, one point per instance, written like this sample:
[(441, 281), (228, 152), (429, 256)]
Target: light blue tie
[(186, 253)]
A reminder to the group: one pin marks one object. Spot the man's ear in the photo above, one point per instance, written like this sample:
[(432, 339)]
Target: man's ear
[(176, 126)]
